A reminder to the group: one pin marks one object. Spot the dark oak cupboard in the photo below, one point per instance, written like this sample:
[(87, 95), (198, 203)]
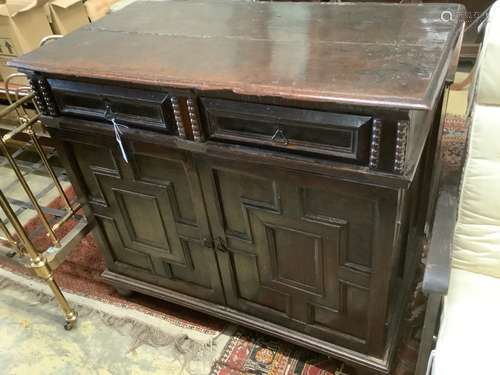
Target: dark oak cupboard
[(273, 166)]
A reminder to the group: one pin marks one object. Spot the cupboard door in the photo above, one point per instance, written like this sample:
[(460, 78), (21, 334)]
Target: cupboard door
[(310, 253), (150, 212)]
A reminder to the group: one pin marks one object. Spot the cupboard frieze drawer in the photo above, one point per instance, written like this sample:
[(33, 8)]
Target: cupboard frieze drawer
[(292, 129), (130, 106)]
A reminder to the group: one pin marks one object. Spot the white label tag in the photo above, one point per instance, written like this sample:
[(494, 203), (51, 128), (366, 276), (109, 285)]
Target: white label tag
[(118, 134)]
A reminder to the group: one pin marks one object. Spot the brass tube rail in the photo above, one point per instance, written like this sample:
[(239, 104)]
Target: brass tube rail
[(19, 129), (16, 240), (38, 263), (29, 193), (16, 104), (8, 236)]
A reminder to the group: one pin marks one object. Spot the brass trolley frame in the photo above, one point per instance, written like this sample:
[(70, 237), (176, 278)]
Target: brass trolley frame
[(17, 244)]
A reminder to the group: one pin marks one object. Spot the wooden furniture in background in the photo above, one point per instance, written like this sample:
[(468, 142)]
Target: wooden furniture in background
[(272, 164)]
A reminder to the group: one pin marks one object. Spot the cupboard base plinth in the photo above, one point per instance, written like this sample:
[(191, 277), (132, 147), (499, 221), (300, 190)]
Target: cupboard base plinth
[(363, 364)]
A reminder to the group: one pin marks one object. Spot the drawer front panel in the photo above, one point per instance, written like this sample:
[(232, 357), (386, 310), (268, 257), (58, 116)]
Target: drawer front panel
[(303, 251), (135, 107), (308, 131)]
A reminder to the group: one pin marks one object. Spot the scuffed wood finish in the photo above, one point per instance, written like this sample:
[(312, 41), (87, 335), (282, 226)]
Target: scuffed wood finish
[(279, 158), (385, 55)]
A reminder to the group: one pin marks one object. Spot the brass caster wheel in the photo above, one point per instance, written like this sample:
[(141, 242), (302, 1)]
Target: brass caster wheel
[(70, 320)]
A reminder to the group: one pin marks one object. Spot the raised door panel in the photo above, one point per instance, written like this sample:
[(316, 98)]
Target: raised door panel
[(150, 212), (311, 253)]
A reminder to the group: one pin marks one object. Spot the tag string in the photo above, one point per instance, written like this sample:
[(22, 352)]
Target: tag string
[(118, 133)]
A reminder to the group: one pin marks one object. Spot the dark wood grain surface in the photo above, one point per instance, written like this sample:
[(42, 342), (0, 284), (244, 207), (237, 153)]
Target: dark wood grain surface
[(371, 54)]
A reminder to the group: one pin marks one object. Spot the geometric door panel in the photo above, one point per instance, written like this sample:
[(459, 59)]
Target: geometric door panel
[(149, 216), (297, 249), (143, 214)]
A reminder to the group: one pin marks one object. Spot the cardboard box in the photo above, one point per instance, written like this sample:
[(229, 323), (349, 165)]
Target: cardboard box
[(67, 15), (23, 24), (120, 4), (97, 9)]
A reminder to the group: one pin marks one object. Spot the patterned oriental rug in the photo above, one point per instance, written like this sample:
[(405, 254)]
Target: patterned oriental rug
[(245, 352)]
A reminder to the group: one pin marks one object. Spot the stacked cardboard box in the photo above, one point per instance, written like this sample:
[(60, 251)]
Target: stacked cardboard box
[(23, 23), (66, 16), (97, 9)]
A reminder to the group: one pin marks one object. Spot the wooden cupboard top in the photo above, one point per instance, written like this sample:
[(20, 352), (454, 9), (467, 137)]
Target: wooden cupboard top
[(382, 55)]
